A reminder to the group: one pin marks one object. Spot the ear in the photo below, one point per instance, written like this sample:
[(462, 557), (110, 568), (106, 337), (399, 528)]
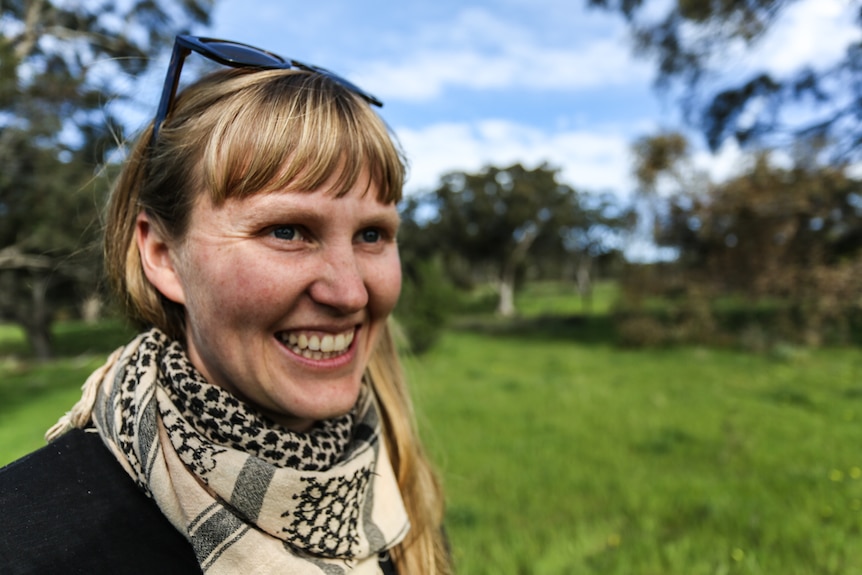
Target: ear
[(157, 259)]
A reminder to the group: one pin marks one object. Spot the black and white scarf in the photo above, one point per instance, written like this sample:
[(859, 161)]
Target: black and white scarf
[(250, 495)]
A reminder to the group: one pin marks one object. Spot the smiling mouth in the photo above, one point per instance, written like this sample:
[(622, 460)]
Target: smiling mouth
[(315, 346)]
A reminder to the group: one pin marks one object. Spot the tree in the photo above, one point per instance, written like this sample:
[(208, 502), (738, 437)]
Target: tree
[(491, 224), (787, 237), (691, 36), (59, 65)]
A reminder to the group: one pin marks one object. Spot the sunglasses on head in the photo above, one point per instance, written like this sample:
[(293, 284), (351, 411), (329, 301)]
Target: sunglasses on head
[(236, 55)]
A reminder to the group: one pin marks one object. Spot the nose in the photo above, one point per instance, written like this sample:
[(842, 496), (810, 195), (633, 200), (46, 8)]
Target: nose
[(340, 284)]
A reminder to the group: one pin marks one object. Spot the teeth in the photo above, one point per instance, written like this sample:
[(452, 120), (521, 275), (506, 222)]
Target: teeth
[(327, 344), (317, 347), (314, 343)]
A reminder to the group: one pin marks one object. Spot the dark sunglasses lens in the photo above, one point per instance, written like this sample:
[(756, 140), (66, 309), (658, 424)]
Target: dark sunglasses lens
[(243, 55)]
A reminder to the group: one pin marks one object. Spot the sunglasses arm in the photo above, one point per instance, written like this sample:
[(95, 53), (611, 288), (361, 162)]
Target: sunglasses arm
[(169, 90)]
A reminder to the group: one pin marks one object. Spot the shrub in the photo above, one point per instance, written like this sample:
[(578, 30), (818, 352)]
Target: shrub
[(427, 300)]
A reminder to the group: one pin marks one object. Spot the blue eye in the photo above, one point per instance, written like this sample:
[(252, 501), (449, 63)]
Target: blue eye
[(285, 232), (370, 236)]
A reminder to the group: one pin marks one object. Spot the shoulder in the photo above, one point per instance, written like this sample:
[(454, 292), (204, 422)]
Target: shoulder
[(70, 507)]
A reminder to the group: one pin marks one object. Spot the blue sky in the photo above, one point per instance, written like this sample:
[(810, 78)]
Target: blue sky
[(468, 83)]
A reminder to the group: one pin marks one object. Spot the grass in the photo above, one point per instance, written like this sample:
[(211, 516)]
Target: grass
[(33, 396), (542, 299), (568, 458), (563, 454), (562, 299)]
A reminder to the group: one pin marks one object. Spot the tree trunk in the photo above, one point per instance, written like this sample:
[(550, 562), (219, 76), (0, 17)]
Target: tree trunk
[(39, 338), (38, 325), (506, 303), (91, 309), (585, 284)]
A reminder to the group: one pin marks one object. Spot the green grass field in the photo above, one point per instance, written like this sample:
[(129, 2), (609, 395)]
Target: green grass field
[(563, 454)]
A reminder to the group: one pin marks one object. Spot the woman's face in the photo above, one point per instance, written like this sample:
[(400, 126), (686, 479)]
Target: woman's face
[(286, 295)]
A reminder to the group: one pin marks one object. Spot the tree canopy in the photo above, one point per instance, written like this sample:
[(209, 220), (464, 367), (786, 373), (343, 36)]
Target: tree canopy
[(782, 240), (489, 225), (59, 68), (689, 40)]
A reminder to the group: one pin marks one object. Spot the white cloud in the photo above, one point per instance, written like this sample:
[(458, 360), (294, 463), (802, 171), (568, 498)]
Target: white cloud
[(589, 160), (725, 163), (814, 32), (593, 159), (481, 51)]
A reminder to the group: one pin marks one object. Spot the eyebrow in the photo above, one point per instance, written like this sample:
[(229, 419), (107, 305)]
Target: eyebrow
[(300, 210)]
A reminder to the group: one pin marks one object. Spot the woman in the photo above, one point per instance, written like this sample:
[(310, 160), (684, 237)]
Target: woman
[(261, 411)]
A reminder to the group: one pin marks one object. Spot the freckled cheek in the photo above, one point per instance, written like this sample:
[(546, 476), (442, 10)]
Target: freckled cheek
[(243, 293), (259, 295)]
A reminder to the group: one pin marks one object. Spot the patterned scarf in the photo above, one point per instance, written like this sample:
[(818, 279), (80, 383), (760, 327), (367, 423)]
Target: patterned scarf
[(250, 495)]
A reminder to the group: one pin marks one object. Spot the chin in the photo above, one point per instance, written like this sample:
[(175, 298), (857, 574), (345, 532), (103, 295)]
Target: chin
[(338, 401)]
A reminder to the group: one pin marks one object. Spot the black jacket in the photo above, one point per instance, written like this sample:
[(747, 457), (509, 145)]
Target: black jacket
[(70, 508)]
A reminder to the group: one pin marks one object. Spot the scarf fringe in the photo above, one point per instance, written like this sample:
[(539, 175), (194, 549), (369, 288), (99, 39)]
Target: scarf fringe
[(81, 413)]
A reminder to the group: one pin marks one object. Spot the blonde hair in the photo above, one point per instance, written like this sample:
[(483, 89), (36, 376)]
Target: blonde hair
[(236, 133)]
